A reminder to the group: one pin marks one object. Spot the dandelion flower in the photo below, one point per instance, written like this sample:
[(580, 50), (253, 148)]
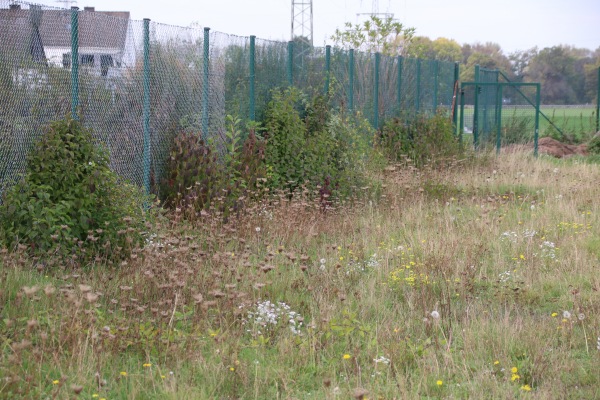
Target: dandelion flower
[(347, 356), (514, 370), (566, 315), (123, 373), (496, 362), (526, 388), (55, 382), (147, 365), (435, 314), (554, 314), (514, 377), (439, 382), (231, 369)]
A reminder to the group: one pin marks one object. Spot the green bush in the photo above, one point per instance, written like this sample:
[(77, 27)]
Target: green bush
[(69, 204), (428, 140), (307, 142), (594, 145), (199, 178)]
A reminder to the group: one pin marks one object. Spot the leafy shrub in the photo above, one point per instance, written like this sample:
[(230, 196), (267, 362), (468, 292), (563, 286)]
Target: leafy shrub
[(426, 140), (306, 142), (286, 136), (199, 178), (518, 129), (69, 203), (594, 145), (194, 175)]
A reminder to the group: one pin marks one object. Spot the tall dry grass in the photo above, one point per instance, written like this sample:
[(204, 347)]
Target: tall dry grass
[(478, 281)]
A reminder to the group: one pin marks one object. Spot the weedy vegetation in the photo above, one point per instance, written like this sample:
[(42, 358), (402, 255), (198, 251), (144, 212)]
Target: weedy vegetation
[(294, 261)]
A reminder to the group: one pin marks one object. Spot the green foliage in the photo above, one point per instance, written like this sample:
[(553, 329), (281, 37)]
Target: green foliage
[(70, 204), (383, 35), (308, 143), (426, 140), (199, 178), (193, 176), (594, 146), (517, 129)]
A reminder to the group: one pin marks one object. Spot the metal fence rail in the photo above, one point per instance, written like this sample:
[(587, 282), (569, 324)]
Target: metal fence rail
[(137, 84)]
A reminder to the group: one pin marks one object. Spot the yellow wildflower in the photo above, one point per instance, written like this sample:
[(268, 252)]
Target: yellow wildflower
[(439, 382), (526, 388), (347, 356)]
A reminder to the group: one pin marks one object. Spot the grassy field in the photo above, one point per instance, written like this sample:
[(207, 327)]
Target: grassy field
[(580, 122), (480, 281)]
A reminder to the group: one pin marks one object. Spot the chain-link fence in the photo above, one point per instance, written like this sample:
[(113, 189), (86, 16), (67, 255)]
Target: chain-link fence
[(496, 112), (137, 84)]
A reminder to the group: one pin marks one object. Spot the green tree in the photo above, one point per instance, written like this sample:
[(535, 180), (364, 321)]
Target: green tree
[(375, 35), (554, 67), (488, 55), (520, 61)]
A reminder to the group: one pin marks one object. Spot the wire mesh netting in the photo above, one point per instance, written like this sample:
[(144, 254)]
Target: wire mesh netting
[(195, 78), (496, 112)]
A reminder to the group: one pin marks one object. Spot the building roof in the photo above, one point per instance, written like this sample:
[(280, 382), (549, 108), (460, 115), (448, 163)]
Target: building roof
[(97, 29)]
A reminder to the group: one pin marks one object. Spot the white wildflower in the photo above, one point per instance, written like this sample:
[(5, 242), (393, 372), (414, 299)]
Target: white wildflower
[(381, 360), (435, 314)]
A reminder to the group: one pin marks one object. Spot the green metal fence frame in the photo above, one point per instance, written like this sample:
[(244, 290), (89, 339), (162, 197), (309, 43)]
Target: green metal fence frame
[(500, 86)]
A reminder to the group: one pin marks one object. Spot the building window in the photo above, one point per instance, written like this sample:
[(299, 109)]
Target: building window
[(106, 61), (66, 61), (87, 59)]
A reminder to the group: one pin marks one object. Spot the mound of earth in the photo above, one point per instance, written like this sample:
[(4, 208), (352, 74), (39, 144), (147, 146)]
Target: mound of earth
[(553, 147)]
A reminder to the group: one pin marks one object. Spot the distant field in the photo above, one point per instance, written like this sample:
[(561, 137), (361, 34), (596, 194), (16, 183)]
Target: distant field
[(578, 123), (574, 120)]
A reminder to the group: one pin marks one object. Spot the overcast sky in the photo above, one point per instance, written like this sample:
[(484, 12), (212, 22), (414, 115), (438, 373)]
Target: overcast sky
[(514, 24)]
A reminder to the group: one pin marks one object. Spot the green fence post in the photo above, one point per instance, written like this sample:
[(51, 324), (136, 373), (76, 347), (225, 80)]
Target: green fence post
[(455, 95), (351, 81), (537, 119), (205, 83), (252, 77), (461, 128), (418, 94), (499, 119), (327, 67), (400, 61), (376, 91), (74, 62), (436, 64), (290, 63), (598, 104), (146, 112), (476, 110)]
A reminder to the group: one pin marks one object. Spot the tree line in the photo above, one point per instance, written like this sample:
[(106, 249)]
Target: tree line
[(568, 74)]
